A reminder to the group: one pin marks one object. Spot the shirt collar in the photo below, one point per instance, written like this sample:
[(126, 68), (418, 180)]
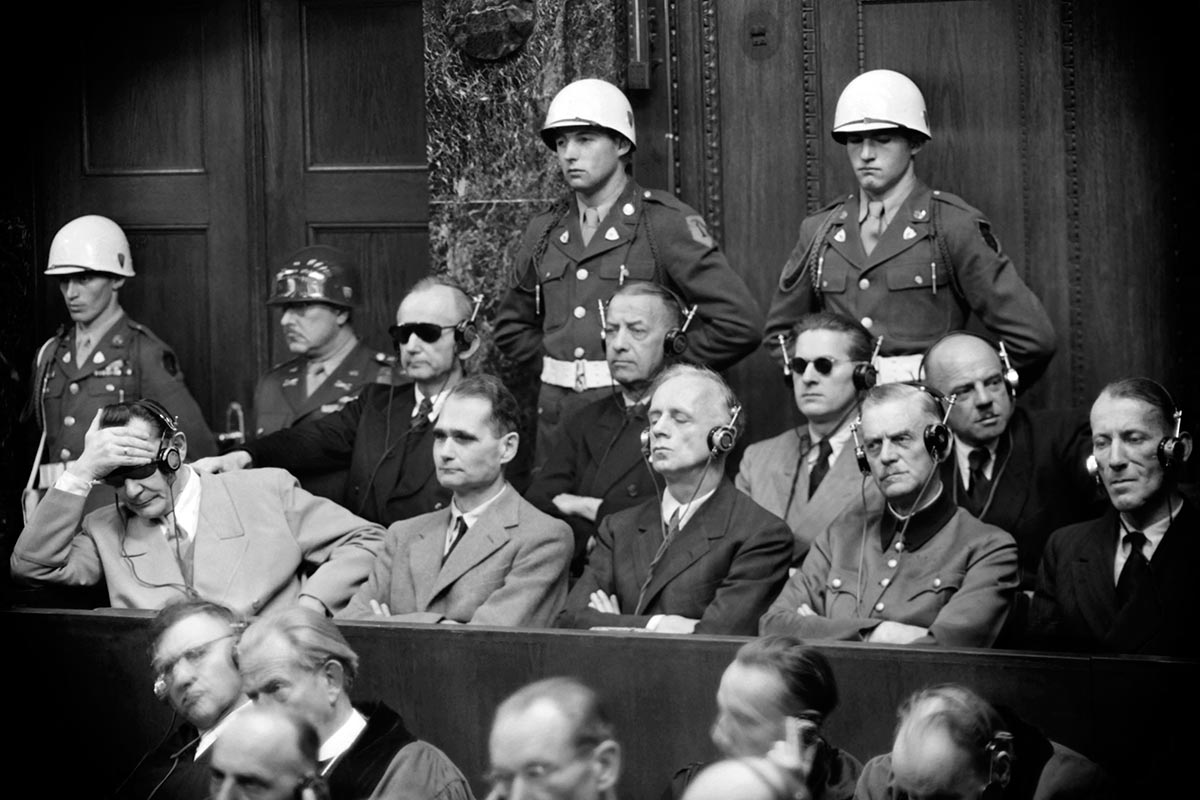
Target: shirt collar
[(837, 440), (438, 400), (474, 514), (922, 524), (892, 201), (602, 209), (670, 505), (962, 457), (332, 361), (210, 735), (341, 740)]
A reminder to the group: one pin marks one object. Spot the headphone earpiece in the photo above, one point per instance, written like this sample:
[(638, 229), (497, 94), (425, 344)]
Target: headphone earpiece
[(722, 438), (168, 457), (860, 452), (1173, 450), (1011, 378), (675, 343), (645, 439), (1000, 757), (466, 332), (865, 376), (937, 441), (160, 689)]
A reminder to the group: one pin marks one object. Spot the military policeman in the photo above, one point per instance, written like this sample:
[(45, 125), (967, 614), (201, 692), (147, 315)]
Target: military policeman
[(104, 357), (606, 231), (908, 262)]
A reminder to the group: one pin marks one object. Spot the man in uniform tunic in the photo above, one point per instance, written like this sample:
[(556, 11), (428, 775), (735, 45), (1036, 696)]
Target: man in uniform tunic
[(908, 262), (104, 357), (607, 231), (316, 290)]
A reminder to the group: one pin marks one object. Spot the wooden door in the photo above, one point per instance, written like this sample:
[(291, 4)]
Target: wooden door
[(143, 119), (343, 114)]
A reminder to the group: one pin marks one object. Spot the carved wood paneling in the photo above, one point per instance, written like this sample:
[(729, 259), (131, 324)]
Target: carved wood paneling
[(364, 101), (142, 99)]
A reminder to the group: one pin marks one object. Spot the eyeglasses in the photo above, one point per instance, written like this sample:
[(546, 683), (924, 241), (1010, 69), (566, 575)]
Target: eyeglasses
[(823, 365), (117, 477), (537, 773), (427, 332), (164, 670)]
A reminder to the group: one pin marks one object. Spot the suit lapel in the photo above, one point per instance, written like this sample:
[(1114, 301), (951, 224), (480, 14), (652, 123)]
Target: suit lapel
[(425, 557), (1012, 475), (613, 462), (709, 522), (497, 525), (220, 540), (1094, 574), (342, 382)]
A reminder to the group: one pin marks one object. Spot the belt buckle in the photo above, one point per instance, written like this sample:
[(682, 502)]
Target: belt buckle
[(581, 383)]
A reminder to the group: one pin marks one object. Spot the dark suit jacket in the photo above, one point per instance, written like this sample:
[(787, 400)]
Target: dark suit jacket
[(391, 475), (599, 455), (1075, 606), (723, 568), (1040, 479)]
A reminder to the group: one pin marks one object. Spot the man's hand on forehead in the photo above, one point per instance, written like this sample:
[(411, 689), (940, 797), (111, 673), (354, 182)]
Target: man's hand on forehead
[(108, 449)]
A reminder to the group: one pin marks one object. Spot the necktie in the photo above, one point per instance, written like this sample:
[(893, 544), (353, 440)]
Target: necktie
[(591, 221), (1136, 570), (316, 376), (672, 529), (420, 420), (872, 227), (83, 349), (460, 530), (977, 492), (821, 467)]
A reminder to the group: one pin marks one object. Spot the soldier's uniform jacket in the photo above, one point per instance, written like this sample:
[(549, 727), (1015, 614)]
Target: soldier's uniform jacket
[(936, 263), (647, 235), (129, 362), (279, 400)]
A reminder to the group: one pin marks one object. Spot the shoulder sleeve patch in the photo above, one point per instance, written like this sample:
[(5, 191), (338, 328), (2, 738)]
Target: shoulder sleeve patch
[(985, 230), (699, 230), (169, 363)]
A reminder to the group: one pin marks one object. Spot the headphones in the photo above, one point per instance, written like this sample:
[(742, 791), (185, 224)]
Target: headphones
[(1000, 756), (936, 437), (466, 332), (864, 377), (721, 439), (168, 458), (1012, 380), (1172, 450), (675, 342)]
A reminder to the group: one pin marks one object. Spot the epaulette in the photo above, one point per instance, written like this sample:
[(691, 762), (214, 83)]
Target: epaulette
[(144, 331), (952, 199), (659, 197)]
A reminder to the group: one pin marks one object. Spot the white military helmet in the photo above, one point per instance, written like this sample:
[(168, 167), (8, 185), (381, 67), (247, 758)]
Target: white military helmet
[(880, 99), (90, 244), (590, 103)]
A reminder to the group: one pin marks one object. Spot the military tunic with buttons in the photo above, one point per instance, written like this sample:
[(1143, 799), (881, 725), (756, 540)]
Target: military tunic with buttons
[(949, 573), (934, 265), (279, 403), (129, 362), (647, 235)]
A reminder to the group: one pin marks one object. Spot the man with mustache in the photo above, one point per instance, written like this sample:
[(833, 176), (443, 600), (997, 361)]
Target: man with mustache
[(316, 291), (910, 263), (919, 571)]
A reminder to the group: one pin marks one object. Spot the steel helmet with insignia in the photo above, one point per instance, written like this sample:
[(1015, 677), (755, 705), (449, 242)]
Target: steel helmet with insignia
[(316, 274), (589, 103), (878, 100), (90, 244)]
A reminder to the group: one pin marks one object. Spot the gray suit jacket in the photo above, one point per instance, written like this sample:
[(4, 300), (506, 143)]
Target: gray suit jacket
[(770, 469), (510, 569)]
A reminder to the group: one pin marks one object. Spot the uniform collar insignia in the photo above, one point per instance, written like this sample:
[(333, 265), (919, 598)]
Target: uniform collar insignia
[(909, 233), (840, 236), (612, 235)]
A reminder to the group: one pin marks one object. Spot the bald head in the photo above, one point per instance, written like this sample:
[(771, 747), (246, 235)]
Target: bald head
[(941, 744), (968, 367), (265, 748), (743, 779)]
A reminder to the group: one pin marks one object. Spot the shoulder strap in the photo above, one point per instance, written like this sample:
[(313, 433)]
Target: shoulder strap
[(943, 251), (806, 259)]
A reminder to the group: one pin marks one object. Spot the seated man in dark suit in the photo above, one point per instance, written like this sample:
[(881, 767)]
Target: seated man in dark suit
[(807, 475), (951, 743), (1124, 583), (1022, 471), (191, 644), (491, 558), (920, 571), (705, 558), (597, 467), (385, 435), (298, 659)]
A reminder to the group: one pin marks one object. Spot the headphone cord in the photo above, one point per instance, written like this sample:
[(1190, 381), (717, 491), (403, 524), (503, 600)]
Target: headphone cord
[(185, 587), (170, 730)]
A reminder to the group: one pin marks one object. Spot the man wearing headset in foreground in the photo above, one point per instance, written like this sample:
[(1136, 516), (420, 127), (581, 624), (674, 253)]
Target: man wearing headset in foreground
[(704, 559), (251, 541), (921, 570), (385, 435), (951, 743)]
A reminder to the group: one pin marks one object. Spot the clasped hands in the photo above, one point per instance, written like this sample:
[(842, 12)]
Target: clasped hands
[(605, 603)]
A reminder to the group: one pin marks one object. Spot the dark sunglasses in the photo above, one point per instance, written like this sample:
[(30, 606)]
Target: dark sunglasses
[(823, 365), (117, 477), (426, 331)]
